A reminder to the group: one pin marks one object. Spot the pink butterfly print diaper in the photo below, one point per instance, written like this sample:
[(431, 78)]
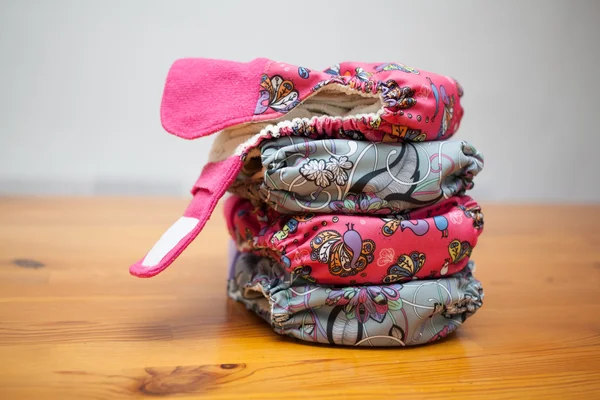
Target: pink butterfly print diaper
[(429, 242)]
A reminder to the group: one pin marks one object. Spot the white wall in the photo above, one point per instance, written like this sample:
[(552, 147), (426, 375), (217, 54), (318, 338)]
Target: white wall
[(81, 83)]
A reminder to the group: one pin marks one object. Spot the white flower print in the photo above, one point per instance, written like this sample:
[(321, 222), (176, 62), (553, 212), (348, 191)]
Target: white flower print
[(315, 170), (386, 257), (338, 167), (456, 217)]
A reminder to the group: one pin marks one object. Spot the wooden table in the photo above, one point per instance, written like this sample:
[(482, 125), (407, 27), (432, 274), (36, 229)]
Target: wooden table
[(75, 325)]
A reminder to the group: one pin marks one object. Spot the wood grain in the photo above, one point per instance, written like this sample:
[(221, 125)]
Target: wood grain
[(75, 325)]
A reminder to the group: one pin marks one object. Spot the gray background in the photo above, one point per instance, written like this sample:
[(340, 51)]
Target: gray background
[(81, 84)]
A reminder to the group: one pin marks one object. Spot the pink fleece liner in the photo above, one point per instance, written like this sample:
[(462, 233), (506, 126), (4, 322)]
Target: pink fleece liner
[(210, 187), (192, 86)]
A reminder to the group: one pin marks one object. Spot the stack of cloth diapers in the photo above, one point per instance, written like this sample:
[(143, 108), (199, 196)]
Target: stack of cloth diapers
[(348, 212)]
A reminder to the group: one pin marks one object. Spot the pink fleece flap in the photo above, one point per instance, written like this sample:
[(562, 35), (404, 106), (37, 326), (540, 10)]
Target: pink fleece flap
[(203, 96), (210, 187)]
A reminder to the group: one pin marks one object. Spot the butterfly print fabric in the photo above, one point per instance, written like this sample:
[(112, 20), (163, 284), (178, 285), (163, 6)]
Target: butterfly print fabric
[(360, 249)]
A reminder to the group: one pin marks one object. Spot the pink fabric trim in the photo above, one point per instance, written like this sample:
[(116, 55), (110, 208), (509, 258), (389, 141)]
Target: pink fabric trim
[(210, 187)]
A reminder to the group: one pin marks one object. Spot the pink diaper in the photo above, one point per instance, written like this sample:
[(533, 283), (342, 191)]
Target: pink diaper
[(203, 96), (429, 242)]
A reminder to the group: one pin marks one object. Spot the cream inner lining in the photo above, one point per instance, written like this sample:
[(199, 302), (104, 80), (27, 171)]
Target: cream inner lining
[(334, 100)]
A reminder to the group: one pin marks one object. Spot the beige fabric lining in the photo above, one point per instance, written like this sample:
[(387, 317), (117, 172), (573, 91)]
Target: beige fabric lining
[(332, 101)]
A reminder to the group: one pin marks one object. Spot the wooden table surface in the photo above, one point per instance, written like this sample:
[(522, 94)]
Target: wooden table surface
[(75, 325)]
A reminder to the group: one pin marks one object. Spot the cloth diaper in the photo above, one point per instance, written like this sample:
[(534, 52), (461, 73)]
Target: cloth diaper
[(397, 314), (203, 96), (295, 174), (250, 103), (427, 242)]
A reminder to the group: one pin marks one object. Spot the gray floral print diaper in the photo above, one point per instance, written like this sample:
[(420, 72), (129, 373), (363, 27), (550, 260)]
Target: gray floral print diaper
[(346, 176), (411, 313)]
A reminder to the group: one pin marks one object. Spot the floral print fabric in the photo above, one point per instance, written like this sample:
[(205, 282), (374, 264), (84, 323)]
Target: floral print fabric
[(330, 249), (357, 177), (411, 313), (416, 104)]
